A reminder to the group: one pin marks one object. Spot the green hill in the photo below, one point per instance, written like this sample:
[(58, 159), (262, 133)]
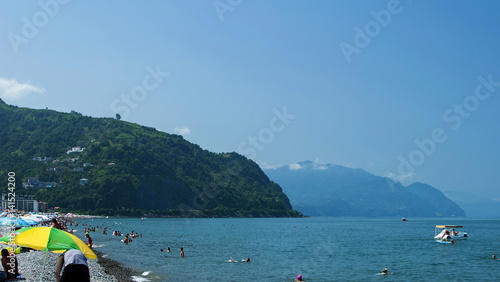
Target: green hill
[(129, 169)]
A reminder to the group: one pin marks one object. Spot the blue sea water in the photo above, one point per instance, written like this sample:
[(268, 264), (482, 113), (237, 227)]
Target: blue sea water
[(321, 249)]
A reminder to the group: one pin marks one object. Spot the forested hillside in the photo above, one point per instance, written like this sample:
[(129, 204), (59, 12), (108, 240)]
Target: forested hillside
[(108, 166)]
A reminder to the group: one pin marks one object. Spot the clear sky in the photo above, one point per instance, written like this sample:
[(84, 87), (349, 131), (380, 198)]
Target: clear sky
[(406, 89)]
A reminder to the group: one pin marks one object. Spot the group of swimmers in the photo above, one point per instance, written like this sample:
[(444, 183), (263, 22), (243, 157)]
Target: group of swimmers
[(181, 253), (126, 239), (243, 260)]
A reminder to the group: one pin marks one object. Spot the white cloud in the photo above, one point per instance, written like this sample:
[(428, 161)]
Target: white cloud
[(11, 89), (405, 179), (182, 130), (320, 167), (295, 166), (265, 165)]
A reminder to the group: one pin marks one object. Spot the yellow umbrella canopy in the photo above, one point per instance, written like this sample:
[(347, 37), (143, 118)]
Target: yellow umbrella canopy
[(52, 239)]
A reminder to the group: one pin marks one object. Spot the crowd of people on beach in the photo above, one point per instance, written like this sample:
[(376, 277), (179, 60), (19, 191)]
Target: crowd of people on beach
[(68, 260)]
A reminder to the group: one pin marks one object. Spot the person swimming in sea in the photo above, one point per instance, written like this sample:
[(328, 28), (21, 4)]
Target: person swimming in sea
[(385, 271), (299, 278), (243, 260)]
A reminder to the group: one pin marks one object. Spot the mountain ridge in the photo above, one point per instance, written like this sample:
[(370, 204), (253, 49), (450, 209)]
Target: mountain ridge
[(332, 190)]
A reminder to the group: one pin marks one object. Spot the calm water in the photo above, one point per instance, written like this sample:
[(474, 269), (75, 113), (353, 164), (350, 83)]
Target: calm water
[(321, 249)]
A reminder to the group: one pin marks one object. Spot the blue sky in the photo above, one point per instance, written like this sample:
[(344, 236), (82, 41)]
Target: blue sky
[(406, 89)]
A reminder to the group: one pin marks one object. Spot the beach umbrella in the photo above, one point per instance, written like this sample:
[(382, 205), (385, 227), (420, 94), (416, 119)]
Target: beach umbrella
[(52, 239), (7, 238), (38, 217), (16, 221)]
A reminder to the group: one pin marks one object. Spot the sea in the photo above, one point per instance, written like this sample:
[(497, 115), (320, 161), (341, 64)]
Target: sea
[(318, 248)]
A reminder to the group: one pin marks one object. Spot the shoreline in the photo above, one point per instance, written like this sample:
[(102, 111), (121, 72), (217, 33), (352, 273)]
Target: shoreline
[(36, 265), (115, 268)]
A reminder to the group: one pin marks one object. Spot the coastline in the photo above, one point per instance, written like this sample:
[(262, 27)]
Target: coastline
[(36, 265), (115, 268)]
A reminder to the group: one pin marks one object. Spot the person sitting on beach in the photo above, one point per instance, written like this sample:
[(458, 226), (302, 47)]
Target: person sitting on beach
[(74, 267), (10, 265)]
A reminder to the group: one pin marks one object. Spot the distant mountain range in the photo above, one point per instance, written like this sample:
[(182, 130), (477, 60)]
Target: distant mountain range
[(475, 206), (332, 190)]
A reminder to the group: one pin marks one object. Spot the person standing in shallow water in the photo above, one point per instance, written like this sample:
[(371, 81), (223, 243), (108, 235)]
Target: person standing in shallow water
[(182, 252), (89, 240)]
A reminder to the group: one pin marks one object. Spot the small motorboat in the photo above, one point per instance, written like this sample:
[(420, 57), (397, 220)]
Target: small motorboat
[(448, 232)]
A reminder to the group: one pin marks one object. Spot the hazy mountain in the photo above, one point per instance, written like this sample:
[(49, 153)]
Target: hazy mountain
[(333, 190), (475, 206)]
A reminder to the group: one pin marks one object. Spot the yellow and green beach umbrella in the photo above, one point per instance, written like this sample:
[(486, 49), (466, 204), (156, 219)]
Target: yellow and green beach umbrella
[(52, 239), (9, 237)]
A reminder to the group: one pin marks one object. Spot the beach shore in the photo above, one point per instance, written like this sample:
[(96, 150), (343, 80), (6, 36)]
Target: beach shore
[(40, 266)]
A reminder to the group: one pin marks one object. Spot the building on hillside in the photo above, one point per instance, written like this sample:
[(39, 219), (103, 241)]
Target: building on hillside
[(34, 181), (44, 159), (47, 184), (75, 150), (84, 181)]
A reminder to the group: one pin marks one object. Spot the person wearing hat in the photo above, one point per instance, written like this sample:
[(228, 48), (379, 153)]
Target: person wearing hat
[(299, 278)]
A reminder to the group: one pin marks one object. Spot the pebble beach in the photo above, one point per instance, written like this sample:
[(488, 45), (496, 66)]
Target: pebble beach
[(40, 266)]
